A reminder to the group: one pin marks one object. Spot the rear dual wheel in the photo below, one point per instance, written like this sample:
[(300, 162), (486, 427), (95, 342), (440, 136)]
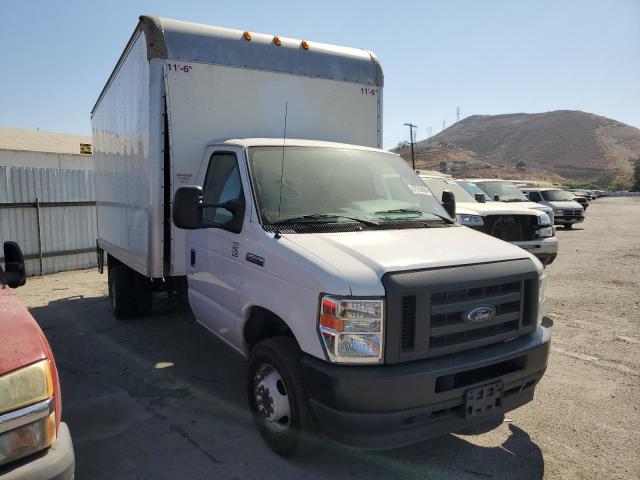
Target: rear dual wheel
[(129, 292)]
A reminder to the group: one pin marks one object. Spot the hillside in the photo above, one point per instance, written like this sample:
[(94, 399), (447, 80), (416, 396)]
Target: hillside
[(556, 146)]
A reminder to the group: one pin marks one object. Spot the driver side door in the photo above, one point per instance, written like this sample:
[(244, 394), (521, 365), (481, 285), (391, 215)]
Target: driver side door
[(214, 269)]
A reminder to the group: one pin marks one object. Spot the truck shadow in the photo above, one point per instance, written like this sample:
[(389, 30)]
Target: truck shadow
[(182, 391)]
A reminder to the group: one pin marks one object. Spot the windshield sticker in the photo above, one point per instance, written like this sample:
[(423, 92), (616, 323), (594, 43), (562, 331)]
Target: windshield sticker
[(420, 189)]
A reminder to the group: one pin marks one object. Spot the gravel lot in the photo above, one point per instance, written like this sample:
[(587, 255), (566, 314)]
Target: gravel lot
[(131, 419)]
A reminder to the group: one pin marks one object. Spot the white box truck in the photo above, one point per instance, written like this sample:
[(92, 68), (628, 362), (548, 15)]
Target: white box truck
[(248, 168)]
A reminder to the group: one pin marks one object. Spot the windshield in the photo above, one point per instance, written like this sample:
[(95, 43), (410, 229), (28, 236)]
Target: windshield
[(472, 189), (438, 185), (337, 184), (507, 191), (556, 196)]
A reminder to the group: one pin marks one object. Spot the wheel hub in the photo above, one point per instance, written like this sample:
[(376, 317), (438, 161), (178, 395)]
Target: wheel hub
[(272, 401)]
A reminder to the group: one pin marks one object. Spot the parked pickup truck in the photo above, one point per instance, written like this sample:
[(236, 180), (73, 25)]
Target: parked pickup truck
[(34, 443), (506, 191), (566, 210), (581, 199), (527, 228), (246, 168)]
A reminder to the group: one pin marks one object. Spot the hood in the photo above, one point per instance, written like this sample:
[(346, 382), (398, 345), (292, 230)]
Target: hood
[(362, 258), (534, 205), (565, 204), (493, 208), (22, 339)]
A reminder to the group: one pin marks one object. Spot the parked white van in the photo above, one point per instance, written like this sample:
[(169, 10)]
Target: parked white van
[(246, 169)]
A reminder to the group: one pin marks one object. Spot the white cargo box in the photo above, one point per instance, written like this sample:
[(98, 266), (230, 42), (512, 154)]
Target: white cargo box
[(213, 84)]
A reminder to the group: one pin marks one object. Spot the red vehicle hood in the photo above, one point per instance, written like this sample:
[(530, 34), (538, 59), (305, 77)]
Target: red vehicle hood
[(21, 340)]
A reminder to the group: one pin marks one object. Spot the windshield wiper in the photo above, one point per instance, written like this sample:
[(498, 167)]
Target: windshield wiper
[(414, 211), (323, 216), (400, 210), (513, 200)]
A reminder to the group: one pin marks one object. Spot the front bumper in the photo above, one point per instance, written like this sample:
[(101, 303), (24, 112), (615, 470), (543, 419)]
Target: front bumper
[(560, 220), (55, 463), (388, 406), (545, 249)]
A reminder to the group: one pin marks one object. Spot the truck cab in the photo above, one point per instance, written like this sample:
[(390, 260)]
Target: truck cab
[(566, 210), (247, 168), (525, 227), (325, 263)]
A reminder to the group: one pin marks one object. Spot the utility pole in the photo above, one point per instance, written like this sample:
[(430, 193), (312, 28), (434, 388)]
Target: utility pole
[(413, 157), (458, 114)]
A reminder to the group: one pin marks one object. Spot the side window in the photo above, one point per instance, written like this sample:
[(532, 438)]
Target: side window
[(222, 184)]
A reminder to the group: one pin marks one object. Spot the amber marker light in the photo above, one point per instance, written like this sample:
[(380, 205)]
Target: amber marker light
[(247, 36), (277, 40), (305, 44)]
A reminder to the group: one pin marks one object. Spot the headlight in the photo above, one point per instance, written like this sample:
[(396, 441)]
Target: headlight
[(558, 211), (25, 386), (545, 232), (542, 285), (351, 329), (30, 424), (471, 220), (544, 219)]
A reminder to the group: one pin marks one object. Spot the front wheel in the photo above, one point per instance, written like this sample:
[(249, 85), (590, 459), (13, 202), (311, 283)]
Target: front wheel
[(277, 398), (568, 226)]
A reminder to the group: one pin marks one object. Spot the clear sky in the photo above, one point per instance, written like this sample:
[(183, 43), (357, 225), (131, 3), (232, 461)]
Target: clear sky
[(486, 56)]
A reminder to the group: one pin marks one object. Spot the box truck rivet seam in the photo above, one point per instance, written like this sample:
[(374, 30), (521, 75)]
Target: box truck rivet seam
[(350, 287)]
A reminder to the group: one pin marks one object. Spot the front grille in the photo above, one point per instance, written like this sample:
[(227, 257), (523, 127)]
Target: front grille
[(511, 228), (451, 332), (572, 212), (427, 310)]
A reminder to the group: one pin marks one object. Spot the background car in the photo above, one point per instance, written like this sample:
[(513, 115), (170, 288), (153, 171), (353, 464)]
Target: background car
[(34, 443), (566, 211)]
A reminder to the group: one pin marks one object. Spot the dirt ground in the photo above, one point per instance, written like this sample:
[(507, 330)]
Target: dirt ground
[(160, 397)]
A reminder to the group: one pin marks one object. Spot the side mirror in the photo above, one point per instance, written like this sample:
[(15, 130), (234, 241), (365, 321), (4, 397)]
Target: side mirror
[(187, 207), (449, 203), (480, 198), (496, 198), (14, 274)]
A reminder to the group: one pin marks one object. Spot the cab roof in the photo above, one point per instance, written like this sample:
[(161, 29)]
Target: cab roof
[(292, 142)]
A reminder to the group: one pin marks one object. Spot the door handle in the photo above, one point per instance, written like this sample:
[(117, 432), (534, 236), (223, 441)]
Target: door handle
[(193, 257)]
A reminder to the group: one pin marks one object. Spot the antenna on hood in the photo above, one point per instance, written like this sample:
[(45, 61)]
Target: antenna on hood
[(284, 141)]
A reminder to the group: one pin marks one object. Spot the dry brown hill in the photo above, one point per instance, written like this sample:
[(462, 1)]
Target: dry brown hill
[(558, 145)]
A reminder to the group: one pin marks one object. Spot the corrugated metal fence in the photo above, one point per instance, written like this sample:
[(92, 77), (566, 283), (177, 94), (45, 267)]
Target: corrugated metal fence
[(51, 213)]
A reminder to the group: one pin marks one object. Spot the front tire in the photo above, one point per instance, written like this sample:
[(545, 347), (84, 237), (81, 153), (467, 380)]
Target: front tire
[(568, 226), (278, 401)]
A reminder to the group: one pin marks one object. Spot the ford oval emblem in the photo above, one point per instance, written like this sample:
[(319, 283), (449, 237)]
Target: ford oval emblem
[(480, 314)]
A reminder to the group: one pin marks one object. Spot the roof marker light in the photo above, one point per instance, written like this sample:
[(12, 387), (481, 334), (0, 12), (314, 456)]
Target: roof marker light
[(277, 40), (247, 36), (305, 44)]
